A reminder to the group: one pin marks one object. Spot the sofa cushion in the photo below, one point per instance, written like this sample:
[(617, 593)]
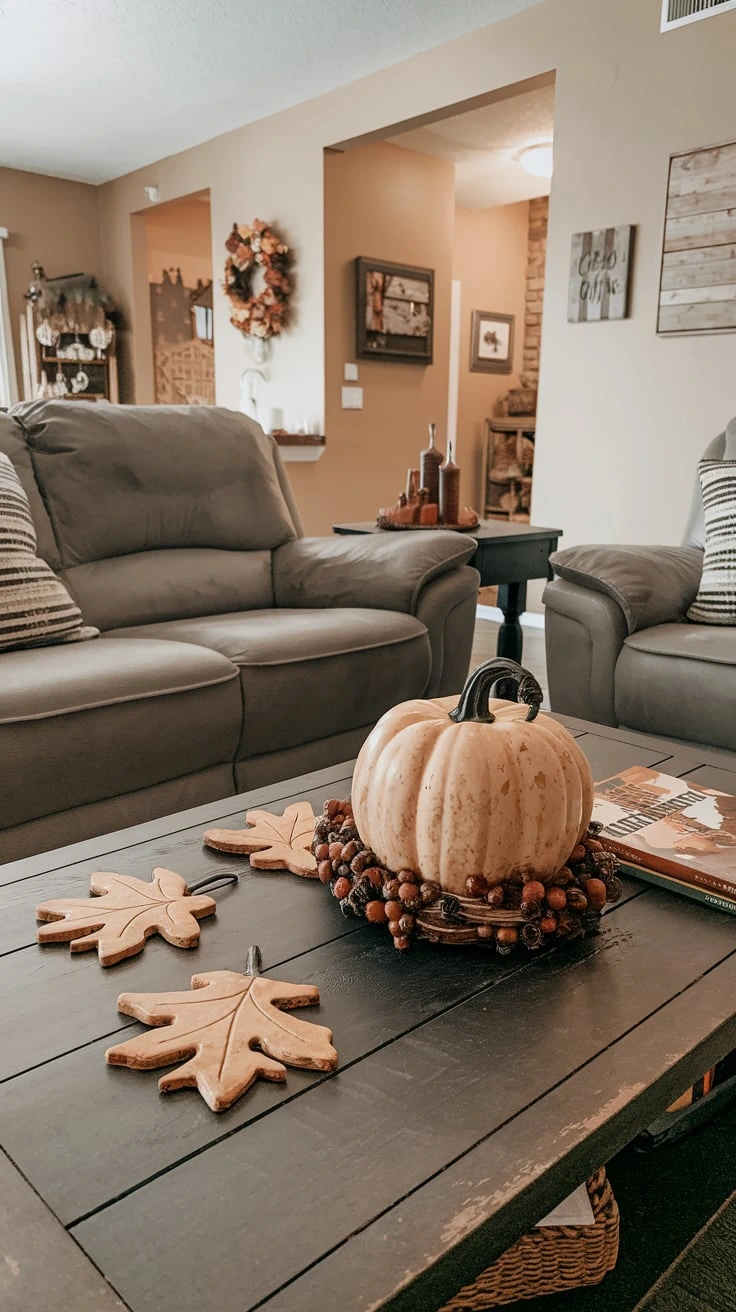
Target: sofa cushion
[(121, 479), (679, 681), (35, 608), (169, 585), (309, 673), (89, 721)]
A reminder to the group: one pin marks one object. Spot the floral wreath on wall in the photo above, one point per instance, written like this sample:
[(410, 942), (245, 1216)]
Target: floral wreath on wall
[(258, 246)]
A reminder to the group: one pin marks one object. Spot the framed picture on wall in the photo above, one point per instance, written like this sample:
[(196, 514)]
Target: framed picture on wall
[(697, 292), (491, 342), (394, 311)]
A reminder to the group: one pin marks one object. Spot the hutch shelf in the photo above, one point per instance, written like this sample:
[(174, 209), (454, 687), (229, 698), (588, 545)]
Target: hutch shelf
[(508, 467)]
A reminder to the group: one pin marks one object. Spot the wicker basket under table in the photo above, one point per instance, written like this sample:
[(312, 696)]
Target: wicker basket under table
[(550, 1259)]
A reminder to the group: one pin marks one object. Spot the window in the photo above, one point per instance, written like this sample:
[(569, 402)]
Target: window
[(8, 384)]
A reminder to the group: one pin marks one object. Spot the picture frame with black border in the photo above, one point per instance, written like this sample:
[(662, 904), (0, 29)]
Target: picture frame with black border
[(390, 298)]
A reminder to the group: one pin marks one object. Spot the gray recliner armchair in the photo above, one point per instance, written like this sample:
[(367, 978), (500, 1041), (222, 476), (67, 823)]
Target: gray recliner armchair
[(620, 650)]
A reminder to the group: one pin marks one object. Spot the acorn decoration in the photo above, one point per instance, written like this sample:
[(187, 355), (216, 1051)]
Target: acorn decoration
[(520, 912)]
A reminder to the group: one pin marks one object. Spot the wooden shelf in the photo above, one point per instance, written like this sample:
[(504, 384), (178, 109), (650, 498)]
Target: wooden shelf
[(298, 439), (513, 424), (38, 358), (63, 359), (516, 432), (81, 396), (300, 447)]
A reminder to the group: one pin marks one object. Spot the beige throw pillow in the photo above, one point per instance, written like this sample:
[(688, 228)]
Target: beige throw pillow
[(35, 607)]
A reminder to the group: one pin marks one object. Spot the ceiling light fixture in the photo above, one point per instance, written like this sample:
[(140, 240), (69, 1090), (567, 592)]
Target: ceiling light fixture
[(538, 160)]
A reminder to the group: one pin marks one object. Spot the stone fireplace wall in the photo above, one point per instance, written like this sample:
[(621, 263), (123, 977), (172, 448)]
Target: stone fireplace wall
[(536, 258)]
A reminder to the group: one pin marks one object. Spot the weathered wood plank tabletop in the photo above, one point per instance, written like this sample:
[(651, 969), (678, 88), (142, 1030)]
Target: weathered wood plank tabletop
[(472, 1095)]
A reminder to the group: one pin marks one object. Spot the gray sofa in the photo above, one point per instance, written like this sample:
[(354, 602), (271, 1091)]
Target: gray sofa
[(620, 650), (234, 651)]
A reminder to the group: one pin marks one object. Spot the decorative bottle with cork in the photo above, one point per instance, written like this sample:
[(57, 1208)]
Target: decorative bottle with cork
[(449, 478), (430, 460)]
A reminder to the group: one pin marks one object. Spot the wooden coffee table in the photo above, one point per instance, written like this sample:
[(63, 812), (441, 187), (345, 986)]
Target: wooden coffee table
[(508, 555), (473, 1093)]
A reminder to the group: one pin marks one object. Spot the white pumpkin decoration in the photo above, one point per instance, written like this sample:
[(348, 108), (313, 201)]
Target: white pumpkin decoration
[(483, 786)]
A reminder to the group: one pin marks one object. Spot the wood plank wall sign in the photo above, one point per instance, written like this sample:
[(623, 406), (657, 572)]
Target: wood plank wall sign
[(599, 275), (698, 285)]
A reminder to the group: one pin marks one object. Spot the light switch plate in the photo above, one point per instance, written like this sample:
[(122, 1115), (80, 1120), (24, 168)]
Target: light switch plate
[(352, 398), (351, 373)]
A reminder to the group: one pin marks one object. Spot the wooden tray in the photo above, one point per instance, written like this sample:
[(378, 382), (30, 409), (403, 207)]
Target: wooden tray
[(450, 528)]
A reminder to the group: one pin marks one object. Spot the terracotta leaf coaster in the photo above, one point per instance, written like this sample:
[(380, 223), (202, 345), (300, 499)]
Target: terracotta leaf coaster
[(231, 1028), (125, 912), (273, 842)]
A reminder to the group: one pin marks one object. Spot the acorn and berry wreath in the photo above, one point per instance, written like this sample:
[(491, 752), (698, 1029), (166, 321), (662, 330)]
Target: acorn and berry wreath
[(251, 248)]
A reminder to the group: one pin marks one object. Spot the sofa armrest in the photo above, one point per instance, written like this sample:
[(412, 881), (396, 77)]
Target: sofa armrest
[(385, 571), (652, 585), (584, 633)]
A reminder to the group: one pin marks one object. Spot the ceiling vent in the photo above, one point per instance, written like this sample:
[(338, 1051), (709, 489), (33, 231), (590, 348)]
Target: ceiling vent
[(675, 13)]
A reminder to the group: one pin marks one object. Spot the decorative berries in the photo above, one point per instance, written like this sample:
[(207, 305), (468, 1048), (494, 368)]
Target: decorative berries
[(597, 893), (476, 886), (556, 899), (523, 911), (533, 891), (375, 911)]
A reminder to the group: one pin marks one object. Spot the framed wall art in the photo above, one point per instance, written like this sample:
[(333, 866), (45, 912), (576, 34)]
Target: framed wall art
[(697, 292), (394, 311), (600, 265), (491, 342)]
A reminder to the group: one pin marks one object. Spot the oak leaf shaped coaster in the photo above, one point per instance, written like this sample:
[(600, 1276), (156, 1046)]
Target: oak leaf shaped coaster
[(231, 1028), (126, 911), (273, 842)]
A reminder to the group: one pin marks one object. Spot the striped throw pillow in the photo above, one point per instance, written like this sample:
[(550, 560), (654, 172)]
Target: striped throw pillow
[(716, 599), (35, 607)]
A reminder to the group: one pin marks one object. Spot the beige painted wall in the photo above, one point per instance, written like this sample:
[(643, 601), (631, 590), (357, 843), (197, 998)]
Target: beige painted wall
[(623, 415), (490, 256), (179, 236), (49, 220), (250, 174), (377, 200)]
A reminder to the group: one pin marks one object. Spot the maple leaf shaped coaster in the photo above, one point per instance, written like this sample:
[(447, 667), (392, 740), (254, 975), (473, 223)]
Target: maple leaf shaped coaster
[(273, 842), (231, 1027), (126, 911)]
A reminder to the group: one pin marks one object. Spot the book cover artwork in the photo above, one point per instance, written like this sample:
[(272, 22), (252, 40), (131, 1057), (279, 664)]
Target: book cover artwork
[(671, 825)]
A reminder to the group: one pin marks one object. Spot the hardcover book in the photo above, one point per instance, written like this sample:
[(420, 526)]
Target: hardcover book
[(671, 831)]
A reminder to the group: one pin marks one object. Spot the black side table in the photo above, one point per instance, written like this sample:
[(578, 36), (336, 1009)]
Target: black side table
[(508, 555)]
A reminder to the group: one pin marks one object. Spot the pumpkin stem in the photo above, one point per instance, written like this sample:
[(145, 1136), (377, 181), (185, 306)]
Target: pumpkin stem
[(473, 705)]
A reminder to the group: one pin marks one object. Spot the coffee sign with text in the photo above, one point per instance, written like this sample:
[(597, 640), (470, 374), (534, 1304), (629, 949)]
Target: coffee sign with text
[(599, 275)]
